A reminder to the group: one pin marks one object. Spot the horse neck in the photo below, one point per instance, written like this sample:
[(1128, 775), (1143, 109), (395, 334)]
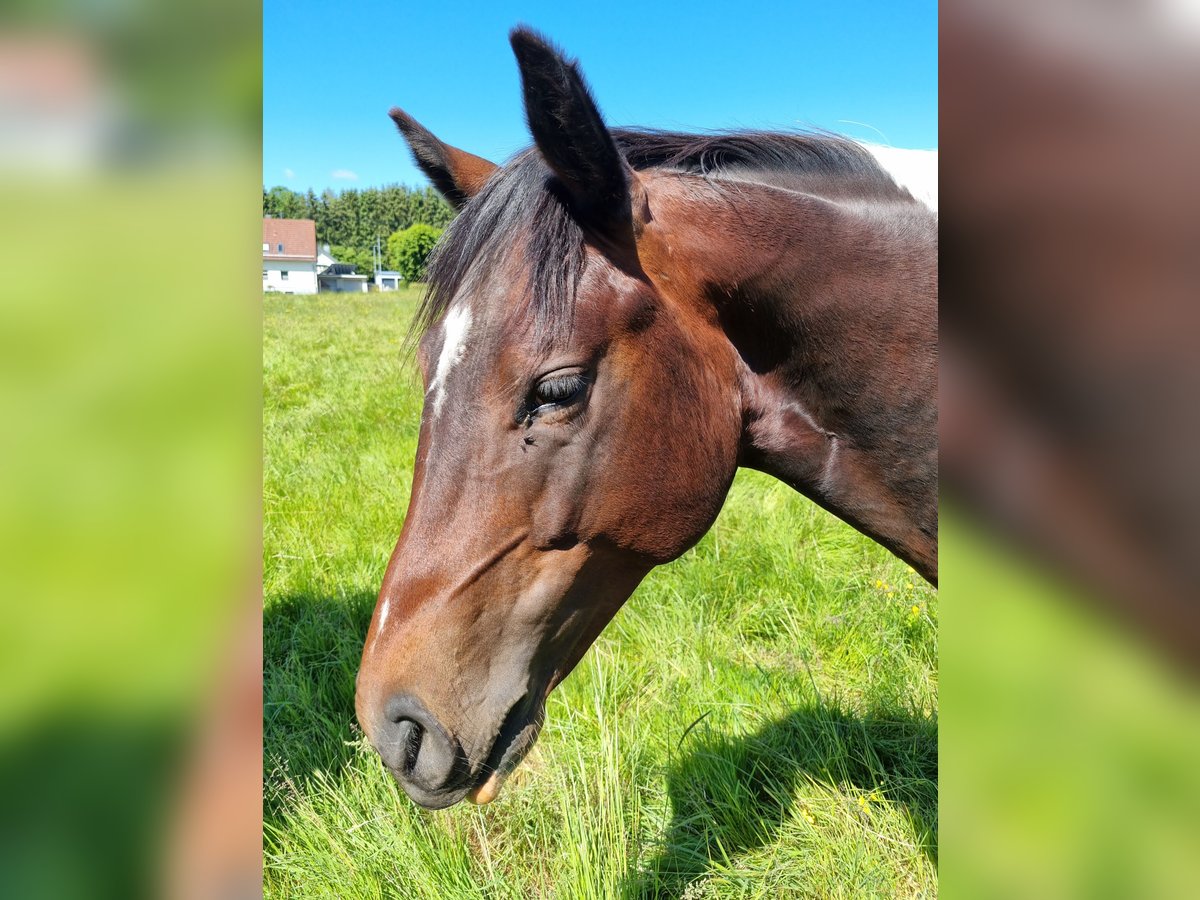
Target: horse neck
[(830, 309)]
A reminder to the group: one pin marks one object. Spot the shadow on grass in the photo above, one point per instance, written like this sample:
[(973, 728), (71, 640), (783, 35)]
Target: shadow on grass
[(312, 645), (731, 795), (88, 800)]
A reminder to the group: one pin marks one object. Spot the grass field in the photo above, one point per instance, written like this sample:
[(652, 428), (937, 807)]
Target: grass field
[(760, 720)]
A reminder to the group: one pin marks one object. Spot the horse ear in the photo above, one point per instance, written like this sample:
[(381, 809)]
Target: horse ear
[(458, 175), (572, 137)]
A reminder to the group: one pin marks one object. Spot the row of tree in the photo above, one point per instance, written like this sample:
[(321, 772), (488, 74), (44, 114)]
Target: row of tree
[(351, 220)]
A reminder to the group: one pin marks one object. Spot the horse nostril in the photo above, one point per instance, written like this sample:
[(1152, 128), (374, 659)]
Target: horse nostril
[(408, 744), (415, 746)]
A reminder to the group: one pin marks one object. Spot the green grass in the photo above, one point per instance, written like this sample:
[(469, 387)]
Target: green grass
[(760, 720)]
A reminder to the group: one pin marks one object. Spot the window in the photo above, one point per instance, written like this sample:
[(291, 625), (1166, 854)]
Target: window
[(266, 247), (280, 246), (283, 274), (264, 274)]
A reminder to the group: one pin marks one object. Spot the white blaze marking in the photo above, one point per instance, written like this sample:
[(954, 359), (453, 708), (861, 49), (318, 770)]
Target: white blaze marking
[(454, 339), (914, 170), (383, 612)]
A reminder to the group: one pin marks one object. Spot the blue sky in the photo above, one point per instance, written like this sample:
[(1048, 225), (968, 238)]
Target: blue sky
[(332, 71)]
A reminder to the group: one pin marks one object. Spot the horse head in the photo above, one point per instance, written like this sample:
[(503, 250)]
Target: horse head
[(576, 432)]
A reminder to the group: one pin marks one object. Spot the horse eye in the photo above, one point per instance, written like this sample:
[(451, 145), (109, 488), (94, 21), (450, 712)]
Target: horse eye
[(559, 389)]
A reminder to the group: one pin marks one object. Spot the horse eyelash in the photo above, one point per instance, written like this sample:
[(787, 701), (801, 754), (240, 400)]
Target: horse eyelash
[(527, 413)]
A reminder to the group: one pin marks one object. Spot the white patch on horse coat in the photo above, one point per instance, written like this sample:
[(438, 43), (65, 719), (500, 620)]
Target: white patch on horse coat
[(914, 170), (383, 614), (454, 340)]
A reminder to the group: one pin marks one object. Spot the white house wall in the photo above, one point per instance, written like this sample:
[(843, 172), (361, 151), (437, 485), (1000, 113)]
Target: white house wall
[(302, 277), (344, 285)]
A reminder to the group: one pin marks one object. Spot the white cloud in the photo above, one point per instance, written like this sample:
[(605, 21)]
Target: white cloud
[(288, 173), (344, 175)]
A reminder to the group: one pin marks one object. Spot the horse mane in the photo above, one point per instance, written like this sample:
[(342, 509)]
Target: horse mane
[(521, 209), (747, 153)]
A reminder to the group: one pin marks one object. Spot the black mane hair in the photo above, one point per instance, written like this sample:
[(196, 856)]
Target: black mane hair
[(523, 210), (727, 153)]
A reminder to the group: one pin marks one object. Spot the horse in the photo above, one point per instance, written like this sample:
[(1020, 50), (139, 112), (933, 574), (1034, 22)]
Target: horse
[(616, 321)]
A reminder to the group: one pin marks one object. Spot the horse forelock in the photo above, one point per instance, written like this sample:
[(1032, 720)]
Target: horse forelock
[(520, 214)]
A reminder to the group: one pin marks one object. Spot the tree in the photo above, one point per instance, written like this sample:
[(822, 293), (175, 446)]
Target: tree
[(283, 203), (362, 260), (408, 250)]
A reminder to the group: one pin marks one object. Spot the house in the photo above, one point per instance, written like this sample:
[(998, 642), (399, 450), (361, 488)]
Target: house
[(339, 277), (342, 279), (59, 109), (388, 281), (290, 256)]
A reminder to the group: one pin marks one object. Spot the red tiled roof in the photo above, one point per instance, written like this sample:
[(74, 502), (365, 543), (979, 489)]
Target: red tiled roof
[(51, 71), (298, 236)]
